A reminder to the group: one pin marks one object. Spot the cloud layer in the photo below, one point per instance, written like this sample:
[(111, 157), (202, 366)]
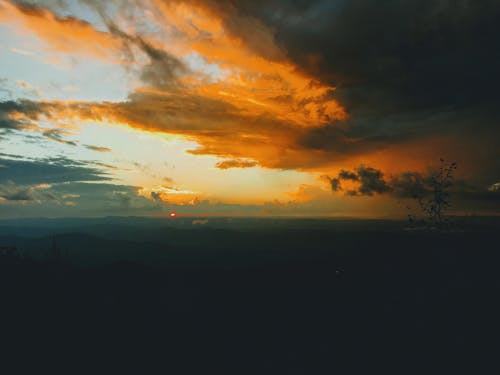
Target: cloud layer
[(320, 86)]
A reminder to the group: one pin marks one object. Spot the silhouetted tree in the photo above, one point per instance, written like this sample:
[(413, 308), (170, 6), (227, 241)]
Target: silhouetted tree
[(434, 198)]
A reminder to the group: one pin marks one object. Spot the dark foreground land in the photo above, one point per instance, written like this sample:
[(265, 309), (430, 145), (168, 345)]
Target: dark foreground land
[(249, 296)]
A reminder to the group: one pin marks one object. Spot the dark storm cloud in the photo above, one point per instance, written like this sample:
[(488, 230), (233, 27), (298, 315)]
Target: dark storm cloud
[(397, 65), (49, 170), (432, 52), (376, 130)]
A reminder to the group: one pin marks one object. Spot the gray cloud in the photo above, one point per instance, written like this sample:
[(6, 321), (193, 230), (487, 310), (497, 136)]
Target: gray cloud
[(420, 53), (156, 196), (72, 199), (414, 185), (370, 181), (98, 148), (5, 92), (404, 70), (104, 199), (334, 183), (11, 192), (49, 170), (408, 185), (163, 69), (28, 108), (122, 197), (347, 175), (38, 193), (57, 135)]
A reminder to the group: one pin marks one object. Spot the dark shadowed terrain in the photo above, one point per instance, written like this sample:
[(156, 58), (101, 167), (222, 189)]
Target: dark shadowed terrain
[(250, 296)]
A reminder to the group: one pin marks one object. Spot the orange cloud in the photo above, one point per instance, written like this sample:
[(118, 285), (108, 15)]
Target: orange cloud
[(62, 34), (257, 76), (256, 110), (98, 148), (259, 110), (236, 163), (166, 194), (220, 128)]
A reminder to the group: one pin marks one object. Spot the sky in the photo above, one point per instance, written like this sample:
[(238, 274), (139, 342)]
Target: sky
[(207, 107)]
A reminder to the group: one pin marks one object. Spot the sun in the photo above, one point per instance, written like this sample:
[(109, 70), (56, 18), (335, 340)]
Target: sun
[(172, 214)]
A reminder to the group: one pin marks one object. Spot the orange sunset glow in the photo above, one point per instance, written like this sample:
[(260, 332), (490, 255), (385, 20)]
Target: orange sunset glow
[(205, 103)]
